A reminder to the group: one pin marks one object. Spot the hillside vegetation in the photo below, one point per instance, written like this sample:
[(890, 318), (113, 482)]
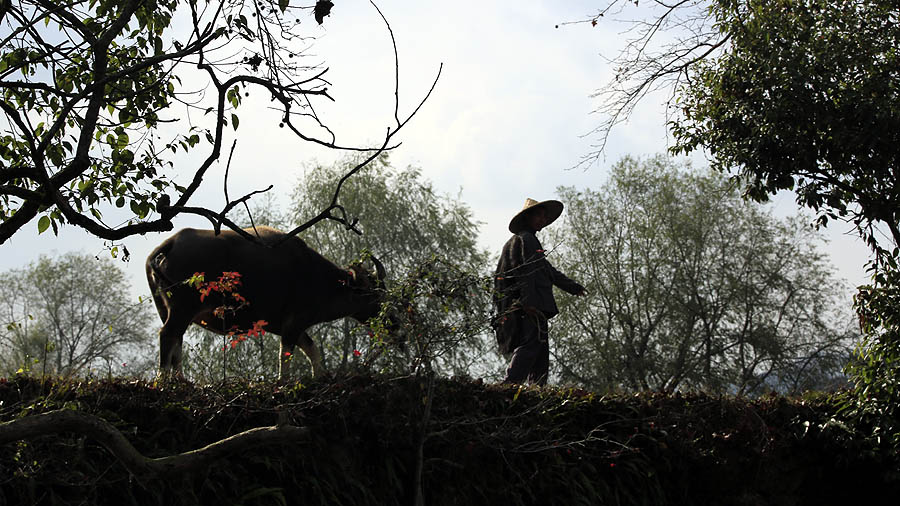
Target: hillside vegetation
[(371, 439)]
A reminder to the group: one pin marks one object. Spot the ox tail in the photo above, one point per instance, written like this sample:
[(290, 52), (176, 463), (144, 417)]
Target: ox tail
[(158, 282)]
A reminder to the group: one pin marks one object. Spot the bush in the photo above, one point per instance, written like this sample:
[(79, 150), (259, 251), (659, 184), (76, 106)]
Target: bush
[(875, 368)]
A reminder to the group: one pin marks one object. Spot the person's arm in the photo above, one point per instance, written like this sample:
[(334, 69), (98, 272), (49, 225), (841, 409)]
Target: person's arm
[(565, 283), (536, 259)]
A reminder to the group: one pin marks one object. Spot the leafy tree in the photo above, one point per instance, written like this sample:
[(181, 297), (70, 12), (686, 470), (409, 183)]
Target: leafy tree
[(791, 95), (427, 243), (98, 96), (806, 98), (72, 315), (692, 287), (406, 224), (799, 95), (875, 368)]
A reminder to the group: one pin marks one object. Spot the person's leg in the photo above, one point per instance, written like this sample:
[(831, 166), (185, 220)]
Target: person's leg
[(526, 353), (541, 367)]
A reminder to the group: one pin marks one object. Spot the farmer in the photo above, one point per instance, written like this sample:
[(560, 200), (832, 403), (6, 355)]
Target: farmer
[(523, 298)]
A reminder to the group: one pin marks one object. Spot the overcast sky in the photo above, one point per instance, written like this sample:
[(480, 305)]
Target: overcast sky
[(506, 121)]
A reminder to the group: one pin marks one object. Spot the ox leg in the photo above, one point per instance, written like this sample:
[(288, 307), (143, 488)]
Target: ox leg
[(309, 348), (312, 353), (286, 357), (171, 337)]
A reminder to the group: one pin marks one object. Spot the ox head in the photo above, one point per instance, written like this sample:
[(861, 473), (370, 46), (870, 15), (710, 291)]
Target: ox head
[(372, 289), (369, 288)]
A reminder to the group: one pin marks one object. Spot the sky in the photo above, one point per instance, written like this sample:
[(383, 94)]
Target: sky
[(509, 118)]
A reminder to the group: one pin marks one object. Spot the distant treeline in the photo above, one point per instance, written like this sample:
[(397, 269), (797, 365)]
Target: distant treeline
[(692, 287)]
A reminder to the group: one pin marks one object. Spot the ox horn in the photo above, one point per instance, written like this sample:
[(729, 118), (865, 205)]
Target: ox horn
[(379, 269)]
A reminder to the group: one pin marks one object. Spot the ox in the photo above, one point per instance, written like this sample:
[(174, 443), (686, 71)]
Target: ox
[(290, 286)]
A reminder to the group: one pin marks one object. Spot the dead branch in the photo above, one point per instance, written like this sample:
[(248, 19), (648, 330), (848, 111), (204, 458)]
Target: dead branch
[(285, 95), (67, 420), (327, 213), (660, 53)]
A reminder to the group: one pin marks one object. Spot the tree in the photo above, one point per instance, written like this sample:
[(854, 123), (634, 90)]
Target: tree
[(807, 98), (693, 287), (99, 95), (875, 368), (71, 315), (428, 245), (405, 223), (789, 95), (798, 95)]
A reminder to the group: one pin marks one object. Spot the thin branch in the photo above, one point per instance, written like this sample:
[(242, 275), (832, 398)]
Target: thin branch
[(227, 169), (326, 213), (639, 71), (396, 65)]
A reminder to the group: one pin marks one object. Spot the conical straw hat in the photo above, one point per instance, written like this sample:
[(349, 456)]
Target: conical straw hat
[(553, 208)]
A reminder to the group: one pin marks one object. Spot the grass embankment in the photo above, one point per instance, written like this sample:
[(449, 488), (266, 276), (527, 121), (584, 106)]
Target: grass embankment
[(483, 444)]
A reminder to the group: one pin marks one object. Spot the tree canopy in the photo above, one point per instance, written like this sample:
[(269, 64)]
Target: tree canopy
[(806, 98), (787, 95), (428, 243), (98, 97)]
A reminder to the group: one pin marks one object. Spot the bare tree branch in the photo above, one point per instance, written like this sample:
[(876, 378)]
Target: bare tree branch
[(66, 420), (659, 54)]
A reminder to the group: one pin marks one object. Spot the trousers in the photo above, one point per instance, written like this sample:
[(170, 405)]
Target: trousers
[(530, 359)]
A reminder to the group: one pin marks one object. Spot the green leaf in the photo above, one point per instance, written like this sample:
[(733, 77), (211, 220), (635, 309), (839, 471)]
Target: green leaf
[(234, 121), (43, 224), (283, 4)]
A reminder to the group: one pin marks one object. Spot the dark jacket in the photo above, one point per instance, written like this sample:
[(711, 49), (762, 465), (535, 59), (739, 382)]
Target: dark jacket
[(525, 278)]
